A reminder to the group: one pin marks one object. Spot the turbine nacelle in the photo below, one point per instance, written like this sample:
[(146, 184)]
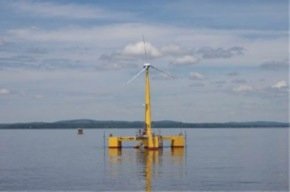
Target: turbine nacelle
[(146, 65)]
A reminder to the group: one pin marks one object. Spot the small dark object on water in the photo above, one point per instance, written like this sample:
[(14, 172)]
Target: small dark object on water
[(80, 131)]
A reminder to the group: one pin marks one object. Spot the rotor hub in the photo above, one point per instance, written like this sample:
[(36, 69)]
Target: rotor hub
[(147, 65)]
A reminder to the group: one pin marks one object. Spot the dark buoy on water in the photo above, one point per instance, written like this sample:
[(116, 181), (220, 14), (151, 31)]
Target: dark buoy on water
[(80, 131)]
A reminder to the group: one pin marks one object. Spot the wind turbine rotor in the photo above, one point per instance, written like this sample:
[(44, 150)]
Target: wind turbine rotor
[(147, 65), (137, 75), (163, 72)]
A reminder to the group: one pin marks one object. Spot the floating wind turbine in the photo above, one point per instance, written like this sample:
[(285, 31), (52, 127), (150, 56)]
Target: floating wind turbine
[(147, 139)]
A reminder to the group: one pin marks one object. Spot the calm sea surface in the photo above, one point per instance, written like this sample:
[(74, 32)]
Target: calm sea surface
[(214, 160)]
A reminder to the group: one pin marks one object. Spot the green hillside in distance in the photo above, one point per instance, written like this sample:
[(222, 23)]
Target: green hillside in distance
[(87, 123)]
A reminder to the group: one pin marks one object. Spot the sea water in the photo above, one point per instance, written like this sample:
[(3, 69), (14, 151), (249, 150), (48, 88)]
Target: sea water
[(244, 159)]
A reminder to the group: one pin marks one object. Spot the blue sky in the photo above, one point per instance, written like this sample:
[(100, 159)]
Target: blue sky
[(71, 59)]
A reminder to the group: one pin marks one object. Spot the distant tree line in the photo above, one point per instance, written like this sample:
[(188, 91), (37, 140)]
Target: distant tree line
[(138, 124)]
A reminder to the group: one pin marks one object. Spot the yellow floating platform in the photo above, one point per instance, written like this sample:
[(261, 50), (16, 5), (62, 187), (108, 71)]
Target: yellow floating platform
[(154, 142)]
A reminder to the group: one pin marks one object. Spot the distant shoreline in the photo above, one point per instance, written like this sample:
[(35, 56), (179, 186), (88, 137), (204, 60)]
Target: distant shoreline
[(93, 124)]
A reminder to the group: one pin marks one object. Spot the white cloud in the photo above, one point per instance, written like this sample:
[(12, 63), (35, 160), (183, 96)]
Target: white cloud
[(38, 96), (2, 41), (159, 34), (172, 50), (273, 48), (186, 60), (275, 65), (57, 35), (233, 74), (212, 53), (280, 85), (127, 56), (239, 81), (86, 45), (279, 89), (112, 35), (196, 76), (4, 91), (139, 49), (70, 11), (243, 88)]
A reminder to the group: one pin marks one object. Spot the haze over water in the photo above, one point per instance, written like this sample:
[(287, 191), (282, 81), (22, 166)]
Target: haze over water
[(214, 159)]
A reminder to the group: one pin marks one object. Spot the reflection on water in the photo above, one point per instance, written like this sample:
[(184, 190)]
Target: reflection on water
[(214, 160), (150, 162)]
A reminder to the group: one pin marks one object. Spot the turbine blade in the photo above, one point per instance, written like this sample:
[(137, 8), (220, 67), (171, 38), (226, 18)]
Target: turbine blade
[(145, 51), (135, 76), (165, 73)]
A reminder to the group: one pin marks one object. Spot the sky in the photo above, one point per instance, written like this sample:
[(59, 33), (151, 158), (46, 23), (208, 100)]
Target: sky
[(62, 60)]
